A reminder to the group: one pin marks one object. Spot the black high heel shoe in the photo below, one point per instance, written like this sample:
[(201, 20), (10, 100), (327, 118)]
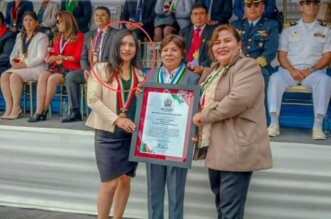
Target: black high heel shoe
[(44, 115), (35, 118)]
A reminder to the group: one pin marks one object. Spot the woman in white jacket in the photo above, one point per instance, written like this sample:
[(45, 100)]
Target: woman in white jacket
[(27, 61)]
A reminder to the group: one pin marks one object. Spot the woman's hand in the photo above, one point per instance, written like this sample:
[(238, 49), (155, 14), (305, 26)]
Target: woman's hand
[(19, 65), (86, 74), (197, 120), (195, 139), (125, 124), (138, 90), (50, 59)]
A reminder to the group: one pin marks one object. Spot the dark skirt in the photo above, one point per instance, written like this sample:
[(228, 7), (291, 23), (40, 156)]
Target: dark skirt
[(112, 156)]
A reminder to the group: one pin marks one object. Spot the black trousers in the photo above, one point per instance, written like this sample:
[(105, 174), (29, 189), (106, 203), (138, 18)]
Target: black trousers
[(230, 190)]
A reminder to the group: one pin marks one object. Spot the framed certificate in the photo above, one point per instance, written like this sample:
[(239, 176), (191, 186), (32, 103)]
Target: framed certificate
[(164, 125)]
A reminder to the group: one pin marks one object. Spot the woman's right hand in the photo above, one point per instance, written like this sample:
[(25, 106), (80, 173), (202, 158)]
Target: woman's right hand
[(125, 124), (50, 59), (197, 120)]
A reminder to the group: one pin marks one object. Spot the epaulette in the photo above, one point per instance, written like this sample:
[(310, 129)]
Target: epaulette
[(287, 25), (324, 24)]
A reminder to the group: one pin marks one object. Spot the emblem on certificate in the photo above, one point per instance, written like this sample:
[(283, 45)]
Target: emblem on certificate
[(164, 124)]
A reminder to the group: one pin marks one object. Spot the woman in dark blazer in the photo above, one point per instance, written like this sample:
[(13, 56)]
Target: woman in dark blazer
[(232, 122), (65, 57), (14, 13), (158, 176)]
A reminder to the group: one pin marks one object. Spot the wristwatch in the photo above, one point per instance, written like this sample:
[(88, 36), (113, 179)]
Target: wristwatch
[(312, 69)]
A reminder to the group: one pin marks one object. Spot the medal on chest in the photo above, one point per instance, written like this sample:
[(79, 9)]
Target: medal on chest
[(125, 97)]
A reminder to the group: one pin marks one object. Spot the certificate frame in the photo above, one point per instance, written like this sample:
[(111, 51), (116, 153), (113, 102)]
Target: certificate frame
[(139, 151)]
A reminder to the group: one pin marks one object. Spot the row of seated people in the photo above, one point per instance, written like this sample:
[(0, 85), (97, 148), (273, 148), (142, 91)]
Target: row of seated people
[(165, 15), (303, 54), (162, 17), (46, 11)]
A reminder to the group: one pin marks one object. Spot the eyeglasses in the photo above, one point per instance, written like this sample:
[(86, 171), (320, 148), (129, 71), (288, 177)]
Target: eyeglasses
[(256, 5), (58, 22), (309, 2)]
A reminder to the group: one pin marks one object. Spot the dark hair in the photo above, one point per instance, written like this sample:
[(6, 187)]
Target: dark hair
[(199, 5), (35, 17), (2, 18), (115, 60), (178, 40), (214, 37), (105, 9)]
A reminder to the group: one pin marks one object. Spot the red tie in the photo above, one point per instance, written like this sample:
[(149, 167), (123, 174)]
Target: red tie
[(195, 45)]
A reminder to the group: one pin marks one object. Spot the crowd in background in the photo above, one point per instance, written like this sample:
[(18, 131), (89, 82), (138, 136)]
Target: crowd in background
[(195, 21)]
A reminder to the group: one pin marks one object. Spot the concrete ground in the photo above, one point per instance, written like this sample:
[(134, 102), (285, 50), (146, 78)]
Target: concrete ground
[(298, 135), (21, 213)]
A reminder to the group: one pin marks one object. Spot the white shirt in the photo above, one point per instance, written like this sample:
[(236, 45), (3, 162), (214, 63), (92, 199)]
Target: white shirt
[(305, 44), (168, 76), (201, 29)]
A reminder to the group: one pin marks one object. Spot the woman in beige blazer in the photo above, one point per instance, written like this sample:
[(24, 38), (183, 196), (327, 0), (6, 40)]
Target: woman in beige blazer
[(27, 61), (232, 122), (112, 118)]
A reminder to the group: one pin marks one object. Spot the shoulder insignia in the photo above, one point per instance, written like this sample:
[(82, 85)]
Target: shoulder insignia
[(291, 24), (324, 24)]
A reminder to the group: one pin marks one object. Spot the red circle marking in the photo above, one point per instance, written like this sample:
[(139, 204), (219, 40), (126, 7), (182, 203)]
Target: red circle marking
[(91, 49)]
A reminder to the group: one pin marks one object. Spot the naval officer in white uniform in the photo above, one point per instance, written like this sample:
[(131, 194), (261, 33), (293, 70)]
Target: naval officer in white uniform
[(304, 53)]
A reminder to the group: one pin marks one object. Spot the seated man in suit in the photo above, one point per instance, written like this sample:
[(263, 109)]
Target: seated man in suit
[(100, 52), (140, 12), (196, 38), (304, 53), (81, 10), (220, 11), (259, 36)]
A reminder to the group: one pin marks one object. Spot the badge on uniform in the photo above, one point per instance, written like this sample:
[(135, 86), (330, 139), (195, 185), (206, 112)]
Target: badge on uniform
[(263, 33), (319, 34), (295, 35), (241, 32)]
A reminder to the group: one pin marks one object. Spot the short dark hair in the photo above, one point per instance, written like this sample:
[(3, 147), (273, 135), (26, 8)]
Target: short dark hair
[(199, 5), (178, 40), (105, 9)]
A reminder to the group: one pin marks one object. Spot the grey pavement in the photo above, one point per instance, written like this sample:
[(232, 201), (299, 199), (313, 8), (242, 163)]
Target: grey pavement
[(296, 135), (22, 213)]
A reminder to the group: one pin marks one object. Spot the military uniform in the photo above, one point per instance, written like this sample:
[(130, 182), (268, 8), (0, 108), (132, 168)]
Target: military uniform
[(259, 42), (305, 44)]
